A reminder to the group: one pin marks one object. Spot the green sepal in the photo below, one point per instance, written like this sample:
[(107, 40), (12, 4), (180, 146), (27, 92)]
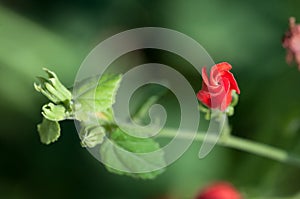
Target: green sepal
[(235, 98), (234, 102), (49, 131), (206, 111), (230, 111), (123, 154)]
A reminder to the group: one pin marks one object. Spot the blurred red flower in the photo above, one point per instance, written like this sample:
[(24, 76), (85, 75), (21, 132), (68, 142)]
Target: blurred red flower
[(291, 41), (220, 190), (216, 90)]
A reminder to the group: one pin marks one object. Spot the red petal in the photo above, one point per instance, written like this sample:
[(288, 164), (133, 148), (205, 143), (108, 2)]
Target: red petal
[(233, 83), (227, 100), (218, 70), (218, 100), (204, 76), (223, 66), (289, 56), (204, 97)]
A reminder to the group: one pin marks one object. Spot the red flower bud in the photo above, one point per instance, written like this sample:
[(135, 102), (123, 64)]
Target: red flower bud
[(221, 190), (291, 41), (216, 90)]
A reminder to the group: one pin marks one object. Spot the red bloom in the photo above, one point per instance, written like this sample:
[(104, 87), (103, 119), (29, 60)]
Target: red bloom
[(221, 190), (291, 41), (216, 90)]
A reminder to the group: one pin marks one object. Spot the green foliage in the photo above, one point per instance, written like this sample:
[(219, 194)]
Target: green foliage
[(106, 90), (95, 100), (94, 97), (127, 155), (54, 90), (49, 131), (98, 98)]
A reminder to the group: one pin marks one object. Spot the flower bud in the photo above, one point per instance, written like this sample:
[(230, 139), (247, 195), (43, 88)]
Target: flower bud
[(92, 135), (220, 190), (53, 89), (217, 88), (291, 42), (54, 112)]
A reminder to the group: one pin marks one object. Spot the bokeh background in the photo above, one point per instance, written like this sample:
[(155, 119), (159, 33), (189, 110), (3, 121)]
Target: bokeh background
[(59, 34)]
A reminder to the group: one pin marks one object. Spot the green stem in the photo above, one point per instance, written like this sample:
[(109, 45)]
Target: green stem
[(241, 144)]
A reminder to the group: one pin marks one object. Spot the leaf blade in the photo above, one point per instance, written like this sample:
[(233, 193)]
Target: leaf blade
[(129, 152), (49, 131), (95, 96)]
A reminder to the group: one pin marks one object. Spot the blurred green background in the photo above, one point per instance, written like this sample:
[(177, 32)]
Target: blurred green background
[(59, 34)]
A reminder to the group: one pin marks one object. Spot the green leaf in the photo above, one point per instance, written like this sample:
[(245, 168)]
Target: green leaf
[(131, 158), (92, 97), (49, 131), (106, 90)]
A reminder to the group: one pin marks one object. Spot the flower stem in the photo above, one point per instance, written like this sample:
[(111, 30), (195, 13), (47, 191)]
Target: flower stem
[(241, 144)]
